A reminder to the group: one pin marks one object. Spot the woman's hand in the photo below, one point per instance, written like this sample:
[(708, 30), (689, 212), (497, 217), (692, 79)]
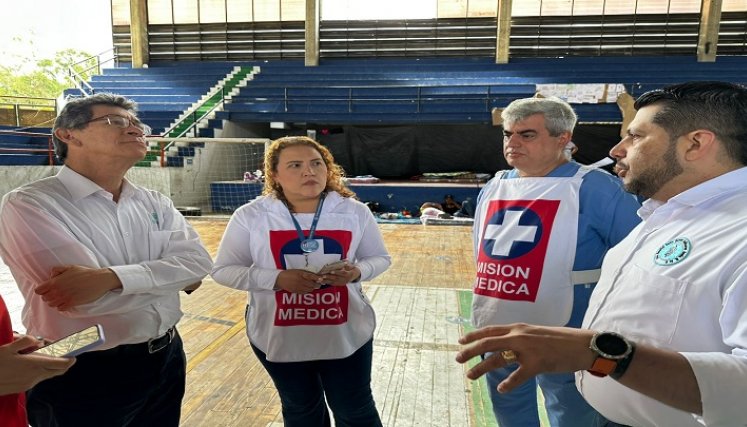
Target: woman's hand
[(342, 276), (20, 371), (298, 281)]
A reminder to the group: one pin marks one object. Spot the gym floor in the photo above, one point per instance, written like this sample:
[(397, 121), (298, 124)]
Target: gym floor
[(422, 307)]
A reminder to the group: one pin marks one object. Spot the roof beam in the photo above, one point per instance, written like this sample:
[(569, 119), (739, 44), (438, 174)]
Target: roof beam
[(139, 33), (311, 54), (710, 20), (503, 37)]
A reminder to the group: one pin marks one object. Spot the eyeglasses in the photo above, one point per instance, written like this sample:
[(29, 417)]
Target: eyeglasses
[(123, 123)]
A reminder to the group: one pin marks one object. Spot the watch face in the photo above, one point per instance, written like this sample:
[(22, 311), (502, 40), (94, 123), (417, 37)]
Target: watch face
[(612, 345)]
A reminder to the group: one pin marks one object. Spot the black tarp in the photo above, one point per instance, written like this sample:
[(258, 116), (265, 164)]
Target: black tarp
[(401, 152)]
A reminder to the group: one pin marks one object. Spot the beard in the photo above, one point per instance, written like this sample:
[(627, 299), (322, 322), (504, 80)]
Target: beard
[(652, 179)]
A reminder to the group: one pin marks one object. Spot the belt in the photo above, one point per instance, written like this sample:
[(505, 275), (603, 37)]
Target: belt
[(157, 344)]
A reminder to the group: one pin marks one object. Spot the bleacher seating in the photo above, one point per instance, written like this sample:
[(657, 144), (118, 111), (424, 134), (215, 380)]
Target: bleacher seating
[(443, 90), (449, 90), (395, 91), (27, 147), (163, 92)]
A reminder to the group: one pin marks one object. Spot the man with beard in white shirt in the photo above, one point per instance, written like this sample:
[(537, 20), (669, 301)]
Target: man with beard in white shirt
[(664, 340), (541, 232)]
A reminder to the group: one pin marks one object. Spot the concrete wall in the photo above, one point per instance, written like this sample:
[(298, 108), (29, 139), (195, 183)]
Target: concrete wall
[(188, 186), (12, 177)]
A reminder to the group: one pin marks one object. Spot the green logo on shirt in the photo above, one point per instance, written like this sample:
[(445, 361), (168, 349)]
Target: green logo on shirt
[(673, 252)]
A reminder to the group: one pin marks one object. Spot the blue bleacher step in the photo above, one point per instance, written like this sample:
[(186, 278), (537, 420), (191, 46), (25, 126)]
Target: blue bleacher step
[(206, 132), (24, 159), (174, 161), (176, 151)]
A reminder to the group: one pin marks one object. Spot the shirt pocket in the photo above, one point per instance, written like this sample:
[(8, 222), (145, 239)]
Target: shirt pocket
[(158, 242), (647, 304)]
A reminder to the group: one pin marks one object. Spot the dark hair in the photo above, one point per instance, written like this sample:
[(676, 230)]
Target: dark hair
[(272, 158), (719, 107), (79, 111)]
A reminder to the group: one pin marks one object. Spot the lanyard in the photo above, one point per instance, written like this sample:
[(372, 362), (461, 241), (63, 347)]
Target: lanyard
[(308, 244)]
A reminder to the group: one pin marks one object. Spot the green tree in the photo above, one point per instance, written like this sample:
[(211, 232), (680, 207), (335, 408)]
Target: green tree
[(47, 77)]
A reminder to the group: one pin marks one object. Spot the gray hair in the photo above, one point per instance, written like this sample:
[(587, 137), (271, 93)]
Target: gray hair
[(559, 116), (79, 111)]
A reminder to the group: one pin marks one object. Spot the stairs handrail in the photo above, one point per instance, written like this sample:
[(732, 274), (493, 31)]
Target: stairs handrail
[(49, 151), (16, 105), (193, 125), (194, 110), (76, 76), (23, 133), (209, 96), (221, 88), (198, 119), (52, 101)]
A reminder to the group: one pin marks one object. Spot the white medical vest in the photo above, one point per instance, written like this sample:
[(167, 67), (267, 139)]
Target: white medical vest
[(525, 233), (329, 323)]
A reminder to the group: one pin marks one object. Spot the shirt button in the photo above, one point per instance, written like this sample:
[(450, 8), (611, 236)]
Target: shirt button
[(127, 234)]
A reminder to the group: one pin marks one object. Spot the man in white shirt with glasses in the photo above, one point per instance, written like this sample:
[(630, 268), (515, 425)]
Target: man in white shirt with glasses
[(88, 247)]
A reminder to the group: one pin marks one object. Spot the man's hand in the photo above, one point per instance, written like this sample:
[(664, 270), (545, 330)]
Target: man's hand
[(73, 285), (19, 372), (298, 281), (537, 350)]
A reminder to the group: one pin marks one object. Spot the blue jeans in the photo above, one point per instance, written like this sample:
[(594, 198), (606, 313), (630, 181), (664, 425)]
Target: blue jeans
[(306, 388), (564, 404)]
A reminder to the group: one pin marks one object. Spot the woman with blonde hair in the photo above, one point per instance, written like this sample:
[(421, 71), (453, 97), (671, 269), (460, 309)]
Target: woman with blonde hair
[(311, 328)]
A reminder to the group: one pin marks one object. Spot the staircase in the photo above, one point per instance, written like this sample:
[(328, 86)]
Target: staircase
[(161, 92), (196, 120)]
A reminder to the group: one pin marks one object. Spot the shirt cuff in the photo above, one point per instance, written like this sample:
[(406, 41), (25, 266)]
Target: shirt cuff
[(135, 278), (366, 271), (721, 378)]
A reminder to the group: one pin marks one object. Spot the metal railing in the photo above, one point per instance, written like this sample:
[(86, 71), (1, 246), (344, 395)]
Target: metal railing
[(195, 121), (193, 114), (481, 92), (78, 76), (18, 104), (221, 90), (49, 151)]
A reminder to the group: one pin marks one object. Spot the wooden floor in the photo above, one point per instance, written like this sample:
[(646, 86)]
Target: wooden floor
[(415, 379), (421, 304)]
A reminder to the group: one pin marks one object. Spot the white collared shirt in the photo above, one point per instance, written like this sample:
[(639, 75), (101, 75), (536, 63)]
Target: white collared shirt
[(679, 282), (69, 220)]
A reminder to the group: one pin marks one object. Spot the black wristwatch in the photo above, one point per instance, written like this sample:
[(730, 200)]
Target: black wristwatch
[(614, 354)]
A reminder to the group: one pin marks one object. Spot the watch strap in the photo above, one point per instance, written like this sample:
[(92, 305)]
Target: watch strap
[(622, 364), (602, 367)]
